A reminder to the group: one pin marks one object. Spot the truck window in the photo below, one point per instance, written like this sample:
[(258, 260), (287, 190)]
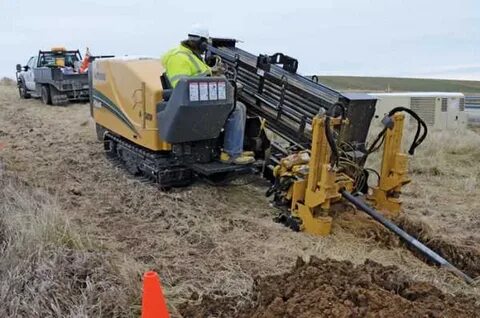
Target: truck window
[(30, 63), (50, 58), (47, 59)]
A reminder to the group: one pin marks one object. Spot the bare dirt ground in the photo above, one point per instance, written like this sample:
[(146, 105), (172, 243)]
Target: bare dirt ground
[(211, 242), (328, 288)]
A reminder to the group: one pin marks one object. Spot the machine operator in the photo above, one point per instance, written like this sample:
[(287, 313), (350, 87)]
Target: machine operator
[(186, 61)]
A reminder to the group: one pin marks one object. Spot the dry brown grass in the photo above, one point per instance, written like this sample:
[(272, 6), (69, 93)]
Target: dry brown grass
[(454, 152), (202, 240), (50, 269), (7, 81), (451, 155), (445, 191)]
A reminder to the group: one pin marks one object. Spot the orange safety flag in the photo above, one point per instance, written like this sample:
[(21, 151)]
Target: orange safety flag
[(85, 62), (153, 302)]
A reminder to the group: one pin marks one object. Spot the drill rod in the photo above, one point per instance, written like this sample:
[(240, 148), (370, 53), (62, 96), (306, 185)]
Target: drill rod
[(410, 240)]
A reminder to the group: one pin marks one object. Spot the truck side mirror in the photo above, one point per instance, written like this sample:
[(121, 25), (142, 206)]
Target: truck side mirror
[(19, 68)]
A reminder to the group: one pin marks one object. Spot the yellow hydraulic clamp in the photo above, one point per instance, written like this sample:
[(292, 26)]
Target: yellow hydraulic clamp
[(309, 182), (394, 170), (317, 183)]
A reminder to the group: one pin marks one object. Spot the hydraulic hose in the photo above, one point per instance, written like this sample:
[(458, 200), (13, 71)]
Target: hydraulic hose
[(328, 131), (410, 240), (417, 140)]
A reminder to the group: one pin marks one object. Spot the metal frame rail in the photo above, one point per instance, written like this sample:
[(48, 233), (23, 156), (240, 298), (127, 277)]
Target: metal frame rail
[(287, 100)]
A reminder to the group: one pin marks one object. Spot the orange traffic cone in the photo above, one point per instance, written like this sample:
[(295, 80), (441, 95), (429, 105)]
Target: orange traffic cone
[(153, 302)]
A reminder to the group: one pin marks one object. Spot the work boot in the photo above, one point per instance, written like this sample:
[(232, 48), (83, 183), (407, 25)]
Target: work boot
[(248, 153), (239, 160)]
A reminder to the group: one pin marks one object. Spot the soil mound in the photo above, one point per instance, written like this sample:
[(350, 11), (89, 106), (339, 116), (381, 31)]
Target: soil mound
[(328, 288)]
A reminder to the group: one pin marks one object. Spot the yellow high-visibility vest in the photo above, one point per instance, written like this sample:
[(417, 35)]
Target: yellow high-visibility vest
[(181, 62)]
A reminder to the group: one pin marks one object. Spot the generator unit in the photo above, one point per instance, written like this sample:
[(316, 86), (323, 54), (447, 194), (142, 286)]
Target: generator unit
[(439, 110)]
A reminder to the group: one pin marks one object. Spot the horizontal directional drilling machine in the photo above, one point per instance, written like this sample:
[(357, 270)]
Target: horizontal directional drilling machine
[(309, 140)]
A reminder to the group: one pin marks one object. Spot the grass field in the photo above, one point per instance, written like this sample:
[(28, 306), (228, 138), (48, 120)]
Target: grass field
[(397, 84), (77, 231)]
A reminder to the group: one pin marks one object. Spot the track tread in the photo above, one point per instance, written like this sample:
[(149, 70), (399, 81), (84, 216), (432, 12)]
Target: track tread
[(150, 165)]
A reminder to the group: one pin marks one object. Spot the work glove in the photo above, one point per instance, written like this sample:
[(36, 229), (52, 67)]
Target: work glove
[(218, 68)]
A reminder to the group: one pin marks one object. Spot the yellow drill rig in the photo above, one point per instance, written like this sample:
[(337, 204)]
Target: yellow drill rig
[(169, 135), (316, 161)]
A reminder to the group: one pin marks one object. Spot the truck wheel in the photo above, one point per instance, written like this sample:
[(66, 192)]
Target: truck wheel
[(46, 97), (55, 100), (22, 90)]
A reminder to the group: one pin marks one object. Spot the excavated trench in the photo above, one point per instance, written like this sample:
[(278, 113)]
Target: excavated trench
[(329, 288), (462, 255)]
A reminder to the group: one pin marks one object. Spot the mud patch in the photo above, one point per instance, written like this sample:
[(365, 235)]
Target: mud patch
[(328, 288)]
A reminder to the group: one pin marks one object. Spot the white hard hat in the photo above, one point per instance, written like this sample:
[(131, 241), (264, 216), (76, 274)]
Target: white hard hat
[(199, 30)]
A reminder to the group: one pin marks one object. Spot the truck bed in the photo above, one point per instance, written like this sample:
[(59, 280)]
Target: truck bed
[(47, 75)]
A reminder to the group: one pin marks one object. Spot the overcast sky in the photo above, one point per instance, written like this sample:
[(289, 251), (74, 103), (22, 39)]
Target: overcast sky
[(422, 38)]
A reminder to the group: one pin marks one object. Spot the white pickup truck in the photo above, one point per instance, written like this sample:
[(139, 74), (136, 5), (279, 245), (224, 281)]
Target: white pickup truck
[(54, 76)]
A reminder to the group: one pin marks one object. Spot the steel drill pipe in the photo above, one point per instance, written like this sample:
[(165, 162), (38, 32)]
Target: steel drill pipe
[(410, 240)]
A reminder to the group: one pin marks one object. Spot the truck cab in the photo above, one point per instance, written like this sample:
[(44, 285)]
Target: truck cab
[(28, 73)]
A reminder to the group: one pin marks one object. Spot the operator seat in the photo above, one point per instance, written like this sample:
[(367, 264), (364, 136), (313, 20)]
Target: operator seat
[(167, 87), (196, 109)]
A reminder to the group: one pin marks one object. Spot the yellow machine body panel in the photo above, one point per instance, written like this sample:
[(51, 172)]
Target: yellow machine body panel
[(125, 94)]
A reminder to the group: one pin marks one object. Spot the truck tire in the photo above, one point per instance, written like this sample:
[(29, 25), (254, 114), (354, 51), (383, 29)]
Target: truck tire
[(22, 90), (56, 97), (46, 97)]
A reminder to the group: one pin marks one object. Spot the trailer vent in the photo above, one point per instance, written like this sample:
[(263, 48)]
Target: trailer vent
[(444, 105), (472, 102), (461, 105), (425, 108)]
